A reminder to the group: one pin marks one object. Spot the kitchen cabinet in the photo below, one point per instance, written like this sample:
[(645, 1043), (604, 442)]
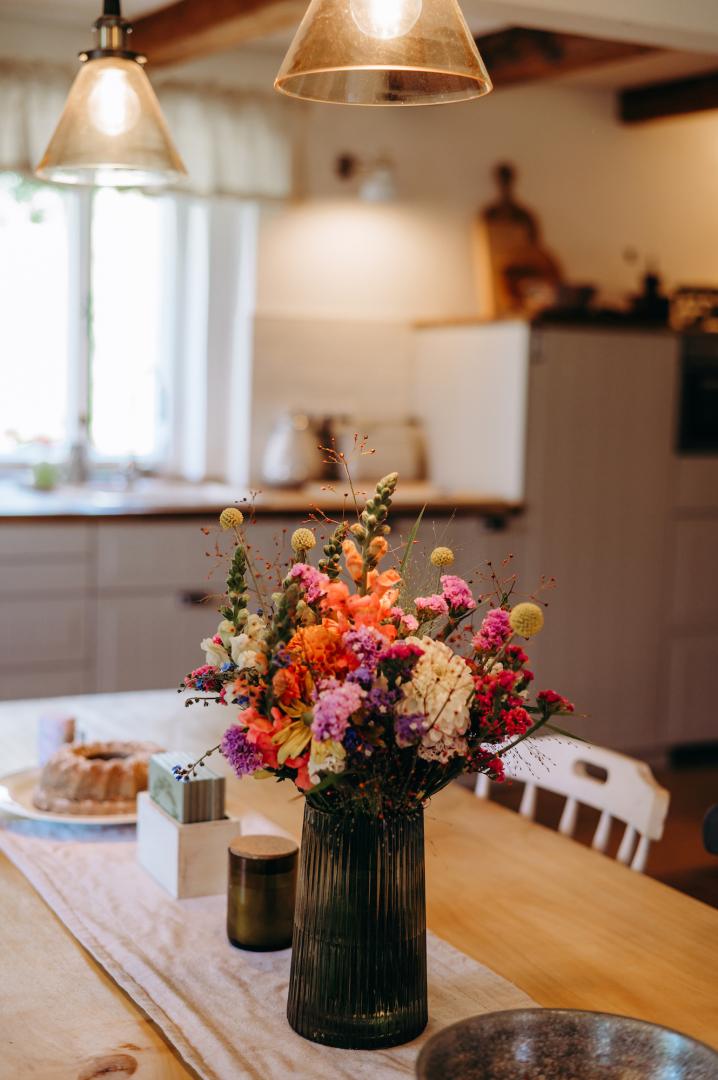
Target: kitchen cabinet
[(627, 527), (150, 640), (46, 608), (112, 605)]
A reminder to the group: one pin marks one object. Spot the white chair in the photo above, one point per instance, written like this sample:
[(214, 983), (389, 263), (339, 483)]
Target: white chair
[(619, 786)]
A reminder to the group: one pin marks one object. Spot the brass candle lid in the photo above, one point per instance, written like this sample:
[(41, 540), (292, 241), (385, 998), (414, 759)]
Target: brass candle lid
[(263, 854)]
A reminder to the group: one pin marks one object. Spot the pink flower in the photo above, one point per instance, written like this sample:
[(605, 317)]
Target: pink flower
[(313, 581), (410, 623), (431, 606), (457, 593), (495, 631), (335, 703)]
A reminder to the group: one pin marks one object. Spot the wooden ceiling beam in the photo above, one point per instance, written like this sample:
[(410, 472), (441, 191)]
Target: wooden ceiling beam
[(189, 29), (520, 55), (677, 98)]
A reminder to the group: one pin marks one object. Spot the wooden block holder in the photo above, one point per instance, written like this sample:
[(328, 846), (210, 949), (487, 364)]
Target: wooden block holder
[(186, 860)]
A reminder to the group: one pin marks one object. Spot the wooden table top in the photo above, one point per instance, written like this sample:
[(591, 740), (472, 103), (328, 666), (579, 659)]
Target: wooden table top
[(569, 926)]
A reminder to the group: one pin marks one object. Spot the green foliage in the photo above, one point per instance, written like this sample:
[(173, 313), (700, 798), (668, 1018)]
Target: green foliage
[(331, 563)]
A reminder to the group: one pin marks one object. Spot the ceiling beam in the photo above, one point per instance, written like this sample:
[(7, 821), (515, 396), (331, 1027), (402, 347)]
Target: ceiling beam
[(670, 24), (189, 29), (677, 98), (518, 55)]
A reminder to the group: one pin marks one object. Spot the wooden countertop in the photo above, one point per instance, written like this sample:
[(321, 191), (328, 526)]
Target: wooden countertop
[(569, 926), (161, 499)]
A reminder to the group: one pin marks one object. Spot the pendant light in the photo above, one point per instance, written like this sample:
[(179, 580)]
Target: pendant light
[(383, 52), (112, 131)]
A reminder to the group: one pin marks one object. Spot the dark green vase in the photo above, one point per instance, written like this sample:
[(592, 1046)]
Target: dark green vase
[(358, 977)]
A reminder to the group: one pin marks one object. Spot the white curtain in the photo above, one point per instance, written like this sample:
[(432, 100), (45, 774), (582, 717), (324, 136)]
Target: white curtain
[(232, 142)]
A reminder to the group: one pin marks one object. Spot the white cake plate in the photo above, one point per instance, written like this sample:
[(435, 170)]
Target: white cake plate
[(16, 798)]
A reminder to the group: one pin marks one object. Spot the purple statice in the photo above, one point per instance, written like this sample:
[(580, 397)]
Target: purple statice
[(381, 700), (456, 593), (313, 581), (362, 675), (429, 607), (334, 704), (495, 631), (366, 643), (409, 729), (239, 751)]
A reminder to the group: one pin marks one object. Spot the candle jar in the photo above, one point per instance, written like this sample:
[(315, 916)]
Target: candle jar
[(262, 887)]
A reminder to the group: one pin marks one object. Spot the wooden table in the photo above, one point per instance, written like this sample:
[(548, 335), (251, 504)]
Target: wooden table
[(570, 927)]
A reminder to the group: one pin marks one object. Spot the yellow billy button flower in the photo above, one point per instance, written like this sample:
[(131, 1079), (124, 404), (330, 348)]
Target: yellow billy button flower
[(441, 557), (303, 540), (231, 518), (526, 619)]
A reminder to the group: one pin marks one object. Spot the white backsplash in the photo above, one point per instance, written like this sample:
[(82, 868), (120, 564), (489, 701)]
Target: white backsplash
[(327, 367)]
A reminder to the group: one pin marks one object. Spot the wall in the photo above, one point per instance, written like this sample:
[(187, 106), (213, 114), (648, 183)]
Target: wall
[(597, 186)]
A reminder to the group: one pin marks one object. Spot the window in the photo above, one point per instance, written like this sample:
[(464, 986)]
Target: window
[(34, 306), (131, 260), (85, 280)]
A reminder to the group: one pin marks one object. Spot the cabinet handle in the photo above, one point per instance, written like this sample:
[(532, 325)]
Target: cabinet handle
[(191, 599)]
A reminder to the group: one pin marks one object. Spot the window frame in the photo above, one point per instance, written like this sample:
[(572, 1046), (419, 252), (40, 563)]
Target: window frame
[(80, 203)]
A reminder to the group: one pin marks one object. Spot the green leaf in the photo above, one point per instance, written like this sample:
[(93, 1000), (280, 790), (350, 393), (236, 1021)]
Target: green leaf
[(410, 542), (566, 734)]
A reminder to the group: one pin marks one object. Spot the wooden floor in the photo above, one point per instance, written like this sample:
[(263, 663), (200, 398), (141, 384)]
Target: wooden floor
[(679, 860)]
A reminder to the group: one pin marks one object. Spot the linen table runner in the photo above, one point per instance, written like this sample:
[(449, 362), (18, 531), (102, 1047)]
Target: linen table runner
[(222, 1009)]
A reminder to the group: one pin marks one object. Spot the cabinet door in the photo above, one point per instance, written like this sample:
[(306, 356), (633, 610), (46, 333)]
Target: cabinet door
[(149, 642), (693, 662), (157, 554), (600, 488)]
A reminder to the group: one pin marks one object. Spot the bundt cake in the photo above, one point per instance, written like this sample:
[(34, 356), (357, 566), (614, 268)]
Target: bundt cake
[(94, 778)]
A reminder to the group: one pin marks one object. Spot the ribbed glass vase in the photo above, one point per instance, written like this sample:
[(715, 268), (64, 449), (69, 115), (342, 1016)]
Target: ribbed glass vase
[(358, 977)]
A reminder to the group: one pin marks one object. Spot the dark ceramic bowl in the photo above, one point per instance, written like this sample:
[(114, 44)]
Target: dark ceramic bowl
[(563, 1044)]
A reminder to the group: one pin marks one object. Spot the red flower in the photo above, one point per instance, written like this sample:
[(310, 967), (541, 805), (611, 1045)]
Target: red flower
[(553, 701), (517, 721)]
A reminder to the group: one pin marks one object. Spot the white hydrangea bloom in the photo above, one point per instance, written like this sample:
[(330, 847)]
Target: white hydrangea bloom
[(441, 688)]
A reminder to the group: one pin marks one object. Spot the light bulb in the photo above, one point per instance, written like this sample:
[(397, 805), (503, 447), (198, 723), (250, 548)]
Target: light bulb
[(385, 19), (113, 105)]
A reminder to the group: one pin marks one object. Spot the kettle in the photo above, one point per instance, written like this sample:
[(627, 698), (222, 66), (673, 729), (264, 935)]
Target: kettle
[(292, 456)]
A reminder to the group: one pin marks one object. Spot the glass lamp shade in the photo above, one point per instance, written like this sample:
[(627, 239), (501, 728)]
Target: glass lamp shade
[(383, 52), (112, 132)]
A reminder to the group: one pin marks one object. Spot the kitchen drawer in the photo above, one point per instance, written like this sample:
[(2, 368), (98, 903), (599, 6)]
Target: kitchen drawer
[(42, 540), (148, 642), (695, 575), (159, 554), (43, 577), (51, 631), (41, 684)]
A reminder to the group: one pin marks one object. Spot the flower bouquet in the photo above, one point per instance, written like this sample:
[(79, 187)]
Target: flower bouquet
[(370, 701)]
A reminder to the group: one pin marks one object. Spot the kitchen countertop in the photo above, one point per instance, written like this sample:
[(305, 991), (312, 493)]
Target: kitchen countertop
[(164, 498)]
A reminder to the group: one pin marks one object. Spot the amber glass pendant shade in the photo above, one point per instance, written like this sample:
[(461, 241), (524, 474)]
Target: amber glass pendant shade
[(112, 131), (383, 52)]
